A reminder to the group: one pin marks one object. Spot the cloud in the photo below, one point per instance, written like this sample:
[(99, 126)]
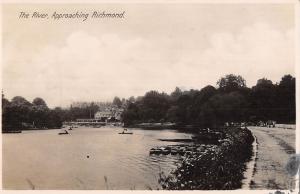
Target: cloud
[(87, 67), (254, 52), (99, 67)]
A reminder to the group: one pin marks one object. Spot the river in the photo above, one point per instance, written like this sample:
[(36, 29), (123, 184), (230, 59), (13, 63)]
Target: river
[(87, 158)]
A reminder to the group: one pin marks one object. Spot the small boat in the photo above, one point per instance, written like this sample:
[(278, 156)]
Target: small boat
[(63, 133), (123, 132), (129, 133)]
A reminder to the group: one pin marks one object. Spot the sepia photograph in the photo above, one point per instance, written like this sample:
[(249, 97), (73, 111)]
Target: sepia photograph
[(149, 96)]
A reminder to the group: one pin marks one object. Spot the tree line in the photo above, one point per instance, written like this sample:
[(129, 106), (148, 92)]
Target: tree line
[(20, 114), (231, 101)]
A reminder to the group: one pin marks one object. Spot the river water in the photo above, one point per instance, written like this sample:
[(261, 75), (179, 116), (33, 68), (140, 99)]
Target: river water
[(87, 158)]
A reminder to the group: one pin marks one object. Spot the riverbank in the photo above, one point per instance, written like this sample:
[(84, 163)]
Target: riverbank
[(153, 125), (167, 125), (219, 168)]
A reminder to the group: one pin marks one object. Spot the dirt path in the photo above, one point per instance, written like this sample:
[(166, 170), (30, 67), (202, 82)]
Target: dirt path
[(274, 147)]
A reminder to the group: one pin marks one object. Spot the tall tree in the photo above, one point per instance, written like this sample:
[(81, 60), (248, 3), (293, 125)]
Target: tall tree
[(20, 101), (262, 98), (231, 83), (176, 94), (286, 99), (117, 102), (39, 102), (20, 111), (5, 115), (154, 106)]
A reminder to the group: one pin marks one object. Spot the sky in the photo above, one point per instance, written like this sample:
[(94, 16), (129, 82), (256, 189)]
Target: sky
[(154, 47)]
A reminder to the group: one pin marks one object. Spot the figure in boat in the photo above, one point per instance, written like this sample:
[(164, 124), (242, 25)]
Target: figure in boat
[(63, 133), (125, 132)]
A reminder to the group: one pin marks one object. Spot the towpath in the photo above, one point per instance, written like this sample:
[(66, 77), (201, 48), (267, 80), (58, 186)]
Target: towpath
[(274, 147)]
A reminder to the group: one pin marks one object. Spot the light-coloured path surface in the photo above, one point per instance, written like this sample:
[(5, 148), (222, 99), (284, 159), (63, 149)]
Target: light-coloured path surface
[(274, 147)]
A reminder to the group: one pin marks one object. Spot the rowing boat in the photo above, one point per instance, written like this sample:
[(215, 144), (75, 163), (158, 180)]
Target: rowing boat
[(129, 133)]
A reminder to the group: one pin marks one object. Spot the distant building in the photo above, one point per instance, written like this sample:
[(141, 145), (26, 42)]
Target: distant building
[(109, 114), (103, 115)]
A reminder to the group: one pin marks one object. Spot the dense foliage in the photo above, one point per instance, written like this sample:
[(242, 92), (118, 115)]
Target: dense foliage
[(20, 114), (231, 101), (221, 168)]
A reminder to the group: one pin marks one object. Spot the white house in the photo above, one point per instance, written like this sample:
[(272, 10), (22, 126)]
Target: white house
[(103, 115)]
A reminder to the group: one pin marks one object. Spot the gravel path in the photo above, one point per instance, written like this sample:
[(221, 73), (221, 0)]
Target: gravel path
[(274, 147)]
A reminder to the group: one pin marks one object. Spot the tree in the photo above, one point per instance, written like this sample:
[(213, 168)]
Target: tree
[(117, 102), (199, 98), (18, 113), (286, 100), (287, 81), (264, 82), (131, 115), (131, 99), (184, 104), (93, 108), (228, 107), (55, 118), (5, 107), (5, 103), (204, 94), (39, 116), (211, 107), (39, 113), (172, 114), (154, 106), (21, 114), (176, 94), (20, 101), (262, 99), (231, 83), (39, 102), (123, 102)]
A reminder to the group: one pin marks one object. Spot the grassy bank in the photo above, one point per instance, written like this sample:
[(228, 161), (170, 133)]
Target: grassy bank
[(219, 168)]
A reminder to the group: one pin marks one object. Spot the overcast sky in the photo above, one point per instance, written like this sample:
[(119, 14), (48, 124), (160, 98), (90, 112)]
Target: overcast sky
[(155, 47)]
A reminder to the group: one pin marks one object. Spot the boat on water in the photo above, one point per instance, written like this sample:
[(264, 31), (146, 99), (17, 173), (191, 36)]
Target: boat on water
[(125, 132), (65, 132), (129, 133)]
